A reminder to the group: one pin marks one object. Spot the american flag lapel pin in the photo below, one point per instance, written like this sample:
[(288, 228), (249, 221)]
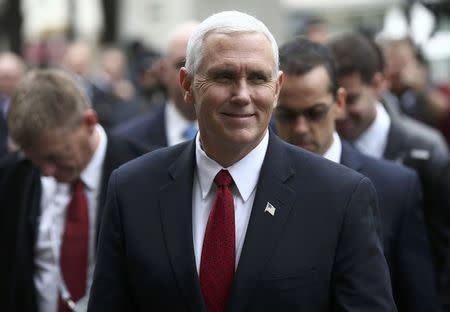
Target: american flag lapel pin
[(270, 209)]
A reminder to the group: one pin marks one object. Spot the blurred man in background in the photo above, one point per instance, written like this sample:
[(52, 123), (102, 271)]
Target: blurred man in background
[(52, 193), (408, 78), (368, 126), (175, 121), (309, 104)]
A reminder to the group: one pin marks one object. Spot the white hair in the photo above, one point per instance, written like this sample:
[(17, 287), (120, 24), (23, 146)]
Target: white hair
[(225, 22)]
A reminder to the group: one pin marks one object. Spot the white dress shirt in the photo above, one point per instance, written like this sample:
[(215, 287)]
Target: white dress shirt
[(334, 152), (176, 124), (245, 174), (54, 201), (373, 141)]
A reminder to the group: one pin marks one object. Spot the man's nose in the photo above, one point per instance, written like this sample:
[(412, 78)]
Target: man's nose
[(241, 92), (301, 125)]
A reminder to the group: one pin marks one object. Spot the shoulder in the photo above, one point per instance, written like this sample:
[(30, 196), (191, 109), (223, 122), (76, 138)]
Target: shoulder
[(388, 170), (419, 136), (317, 169), (119, 145), (141, 122), (152, 164), (15, 164)]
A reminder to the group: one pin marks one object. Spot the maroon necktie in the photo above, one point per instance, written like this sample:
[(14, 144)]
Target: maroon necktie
[(74, 248), (218, 253)]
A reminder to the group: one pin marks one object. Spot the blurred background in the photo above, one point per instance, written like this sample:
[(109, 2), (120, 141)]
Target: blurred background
[(115, 46), (40, 29)]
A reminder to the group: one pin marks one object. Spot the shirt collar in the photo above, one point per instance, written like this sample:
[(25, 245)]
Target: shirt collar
[(91, 175), (245, 172), (373, 141), (334, 152)]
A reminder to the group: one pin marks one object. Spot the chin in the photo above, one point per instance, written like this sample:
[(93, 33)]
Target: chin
[(66, 178), (245, 137)]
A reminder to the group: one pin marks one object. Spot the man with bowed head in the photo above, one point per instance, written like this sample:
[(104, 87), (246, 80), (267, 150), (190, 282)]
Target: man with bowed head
[(52, 193), (249, 228)]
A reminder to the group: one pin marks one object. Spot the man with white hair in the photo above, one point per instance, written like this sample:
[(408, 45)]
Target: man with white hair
[(236, 219)]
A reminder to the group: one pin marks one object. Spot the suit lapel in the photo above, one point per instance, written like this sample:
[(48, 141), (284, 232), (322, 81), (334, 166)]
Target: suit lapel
[(395, 145), (263, 228), (176, 211)]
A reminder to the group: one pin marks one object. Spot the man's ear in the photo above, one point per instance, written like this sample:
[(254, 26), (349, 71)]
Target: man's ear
[(379, 84), (341, 103), (90, 119), (186, 85)]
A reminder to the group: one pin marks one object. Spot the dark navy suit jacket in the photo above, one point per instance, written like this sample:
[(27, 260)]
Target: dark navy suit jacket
[(405, 241), (318, 252), (148, 130)]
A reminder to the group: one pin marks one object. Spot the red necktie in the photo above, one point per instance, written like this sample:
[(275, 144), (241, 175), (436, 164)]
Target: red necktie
[(218, 253), (74, 248)]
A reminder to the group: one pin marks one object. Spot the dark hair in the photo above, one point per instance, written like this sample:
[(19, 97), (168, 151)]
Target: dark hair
[(300, 55), (355, 53)]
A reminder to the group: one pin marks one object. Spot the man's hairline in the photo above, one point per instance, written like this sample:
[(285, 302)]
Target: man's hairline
[(222, 30)]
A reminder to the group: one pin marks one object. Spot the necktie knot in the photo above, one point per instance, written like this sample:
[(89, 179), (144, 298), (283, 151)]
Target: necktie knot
[(223, 179), (77, 185)]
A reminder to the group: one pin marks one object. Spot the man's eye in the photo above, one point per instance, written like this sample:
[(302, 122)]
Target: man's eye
[(223, 77), (315, 115), (352, 98), (286, 115), (258, 78)]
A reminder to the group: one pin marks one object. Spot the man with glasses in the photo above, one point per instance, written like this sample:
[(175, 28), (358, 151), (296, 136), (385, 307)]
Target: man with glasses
[(368, 125), (309, 104), (175, 121)]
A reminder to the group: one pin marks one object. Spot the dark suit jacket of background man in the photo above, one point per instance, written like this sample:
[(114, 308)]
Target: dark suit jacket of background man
[(3, 136), (20, 194), (323, 228), (148, 130), (405, 241), (424, 150)]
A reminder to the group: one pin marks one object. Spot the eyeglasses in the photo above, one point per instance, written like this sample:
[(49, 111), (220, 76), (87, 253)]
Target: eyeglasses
[(313, 114)]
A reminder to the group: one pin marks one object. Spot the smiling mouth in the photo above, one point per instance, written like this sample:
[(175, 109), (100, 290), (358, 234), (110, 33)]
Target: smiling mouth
[(238, 115)]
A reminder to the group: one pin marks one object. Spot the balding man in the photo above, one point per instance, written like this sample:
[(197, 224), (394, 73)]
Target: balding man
[(175, 121)]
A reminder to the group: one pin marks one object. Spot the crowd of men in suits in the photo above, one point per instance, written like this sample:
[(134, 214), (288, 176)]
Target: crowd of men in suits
[(221, 213)]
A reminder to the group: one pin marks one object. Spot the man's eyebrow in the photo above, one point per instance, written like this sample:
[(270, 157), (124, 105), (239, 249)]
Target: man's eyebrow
[(220, 70)]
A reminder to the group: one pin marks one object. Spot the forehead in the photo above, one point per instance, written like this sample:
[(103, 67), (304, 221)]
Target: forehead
[(52, 140), (351, 81), (238, 49), (306, 88), (176, 48)]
